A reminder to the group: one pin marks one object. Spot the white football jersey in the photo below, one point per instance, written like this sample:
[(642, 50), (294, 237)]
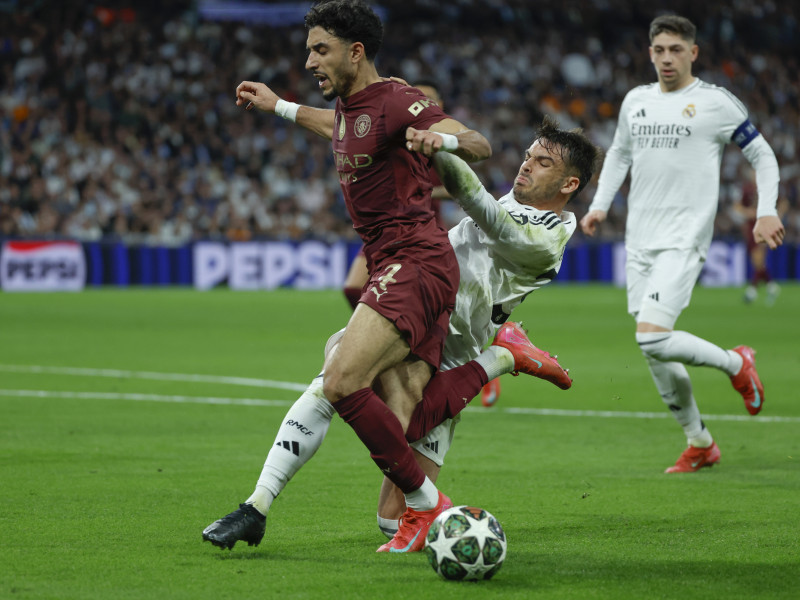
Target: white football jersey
[(515, 250), (673, 142)]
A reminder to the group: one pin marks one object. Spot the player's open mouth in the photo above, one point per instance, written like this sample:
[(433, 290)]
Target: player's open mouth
[(322, 79)]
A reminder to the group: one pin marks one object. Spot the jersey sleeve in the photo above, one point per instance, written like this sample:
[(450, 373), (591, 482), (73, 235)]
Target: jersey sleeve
[(408, 107), (617, 161), (734, 126)]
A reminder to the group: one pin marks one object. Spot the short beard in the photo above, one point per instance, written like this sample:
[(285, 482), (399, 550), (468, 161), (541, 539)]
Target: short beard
[(535, 195), (342, 90)]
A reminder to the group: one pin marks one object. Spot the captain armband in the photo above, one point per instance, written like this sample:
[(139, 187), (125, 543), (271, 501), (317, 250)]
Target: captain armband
[(449, 142), (744, 134), (286, 110)]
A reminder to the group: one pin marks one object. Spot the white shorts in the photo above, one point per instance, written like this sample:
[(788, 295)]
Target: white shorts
[(436, 444), (660, 283)]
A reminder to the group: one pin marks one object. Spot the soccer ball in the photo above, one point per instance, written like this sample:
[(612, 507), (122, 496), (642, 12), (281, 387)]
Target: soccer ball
[(465, 542)]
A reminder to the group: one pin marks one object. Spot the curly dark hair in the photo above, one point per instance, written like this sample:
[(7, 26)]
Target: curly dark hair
[(581, 157), (349, 20)]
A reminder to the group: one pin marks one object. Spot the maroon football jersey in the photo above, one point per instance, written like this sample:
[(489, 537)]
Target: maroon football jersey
[(386, 187)]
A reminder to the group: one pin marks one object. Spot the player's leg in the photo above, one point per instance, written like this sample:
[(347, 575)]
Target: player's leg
[(299, 436), (756, 254), (405, 308), (655, 299), (449, 392), (357, 276), (666, 292), (490, 393), (673, 384), (671, 378), (392, 502), (761, 274), (370, 345)]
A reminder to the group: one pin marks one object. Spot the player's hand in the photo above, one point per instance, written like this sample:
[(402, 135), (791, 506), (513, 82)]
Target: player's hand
[(425, 142), (255, 95), (590, 221), (399, 80), (769, 231)]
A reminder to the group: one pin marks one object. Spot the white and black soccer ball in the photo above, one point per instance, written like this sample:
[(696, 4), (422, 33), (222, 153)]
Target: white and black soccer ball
[(464, 543)]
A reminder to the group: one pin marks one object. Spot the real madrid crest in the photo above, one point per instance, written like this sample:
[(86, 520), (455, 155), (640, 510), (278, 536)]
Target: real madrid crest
[(362, 126), (690, 111), (341, 127)]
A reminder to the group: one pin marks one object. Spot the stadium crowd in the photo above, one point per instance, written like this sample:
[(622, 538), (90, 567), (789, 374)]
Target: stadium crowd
[(121, 123)]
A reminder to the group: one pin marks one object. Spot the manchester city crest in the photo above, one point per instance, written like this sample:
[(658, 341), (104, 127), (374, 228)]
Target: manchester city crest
[(362, 126)]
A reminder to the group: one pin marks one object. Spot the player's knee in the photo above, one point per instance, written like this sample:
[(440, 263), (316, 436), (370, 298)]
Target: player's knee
[(332, 342), (654, 344), (333, 386)]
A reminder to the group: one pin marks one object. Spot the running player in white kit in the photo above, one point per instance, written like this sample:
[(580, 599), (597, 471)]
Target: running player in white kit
[(671, 135), (506, 249)]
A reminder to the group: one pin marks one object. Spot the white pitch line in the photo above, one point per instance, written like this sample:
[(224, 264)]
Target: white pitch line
[(142, 397), (614, 414), (543, 412), (188, 377)]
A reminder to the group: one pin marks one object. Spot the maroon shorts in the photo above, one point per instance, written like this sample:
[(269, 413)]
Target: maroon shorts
[(417, 296)]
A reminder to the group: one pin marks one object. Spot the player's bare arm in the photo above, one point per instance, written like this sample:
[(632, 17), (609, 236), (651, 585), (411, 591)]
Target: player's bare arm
[(471, 145), (769, 230), (253, 94), (591, 220)]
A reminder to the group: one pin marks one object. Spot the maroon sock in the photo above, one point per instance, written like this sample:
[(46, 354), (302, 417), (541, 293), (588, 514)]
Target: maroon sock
[(446, 395), (352, 294), (381, 432), (761, 275)]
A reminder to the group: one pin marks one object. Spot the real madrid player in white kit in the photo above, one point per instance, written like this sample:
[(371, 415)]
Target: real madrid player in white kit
[(671, 135), (506, 249)]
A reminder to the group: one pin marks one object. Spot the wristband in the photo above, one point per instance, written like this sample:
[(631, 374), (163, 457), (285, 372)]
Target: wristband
[(449, 142), (286, 110)]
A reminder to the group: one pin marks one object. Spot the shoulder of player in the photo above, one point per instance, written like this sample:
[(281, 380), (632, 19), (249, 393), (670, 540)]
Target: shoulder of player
[(530, 216), (373, 97), (636, 96), (721, 94), (640, 90)]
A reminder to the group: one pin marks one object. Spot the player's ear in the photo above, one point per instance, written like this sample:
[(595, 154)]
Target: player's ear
[(357, 52), (695, 51), (570, 185)]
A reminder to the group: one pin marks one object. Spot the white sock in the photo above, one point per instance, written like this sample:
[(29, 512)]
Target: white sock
[(673, 384), (496, 361), (299, 436), (425, 498), (683, 347), (388, 526), (703, 440)]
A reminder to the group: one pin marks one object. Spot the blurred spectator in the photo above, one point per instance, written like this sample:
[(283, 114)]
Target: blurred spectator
[(121, 123)]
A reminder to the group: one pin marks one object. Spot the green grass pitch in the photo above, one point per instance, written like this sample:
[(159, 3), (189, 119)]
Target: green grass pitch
[(108, 477)]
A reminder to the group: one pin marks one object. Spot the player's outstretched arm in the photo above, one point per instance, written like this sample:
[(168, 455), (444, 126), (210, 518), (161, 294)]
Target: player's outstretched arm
[(464, 186), (253, 94), (449, 135)]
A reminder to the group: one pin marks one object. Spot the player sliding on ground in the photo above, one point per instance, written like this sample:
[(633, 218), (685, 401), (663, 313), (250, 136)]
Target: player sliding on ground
[(506, 249)]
